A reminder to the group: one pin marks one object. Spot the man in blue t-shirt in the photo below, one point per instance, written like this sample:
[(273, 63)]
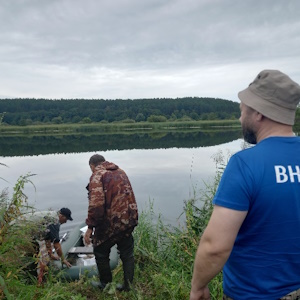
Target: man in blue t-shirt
[(254, 230)]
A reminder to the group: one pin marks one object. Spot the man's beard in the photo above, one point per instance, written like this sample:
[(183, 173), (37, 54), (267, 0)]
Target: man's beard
[(249, 135)]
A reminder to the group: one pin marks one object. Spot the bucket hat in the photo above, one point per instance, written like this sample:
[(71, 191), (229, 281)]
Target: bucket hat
[(273, 94)]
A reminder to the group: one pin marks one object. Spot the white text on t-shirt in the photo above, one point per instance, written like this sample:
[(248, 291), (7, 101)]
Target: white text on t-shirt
[(285, 174)]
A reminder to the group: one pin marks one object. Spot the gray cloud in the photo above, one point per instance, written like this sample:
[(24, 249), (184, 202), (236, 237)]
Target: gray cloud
[(143, 49)]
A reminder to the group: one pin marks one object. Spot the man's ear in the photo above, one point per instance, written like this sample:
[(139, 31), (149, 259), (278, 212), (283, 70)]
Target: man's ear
[(259, 117)]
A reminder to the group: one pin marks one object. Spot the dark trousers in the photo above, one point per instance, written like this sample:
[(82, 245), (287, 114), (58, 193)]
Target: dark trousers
[(125, 247)]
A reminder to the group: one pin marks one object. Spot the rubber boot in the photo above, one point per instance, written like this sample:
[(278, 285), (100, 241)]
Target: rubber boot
[(104, 271), (128, 270)]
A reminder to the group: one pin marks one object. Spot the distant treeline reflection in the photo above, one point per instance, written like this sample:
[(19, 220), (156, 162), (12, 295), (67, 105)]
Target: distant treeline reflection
[(36, 145)]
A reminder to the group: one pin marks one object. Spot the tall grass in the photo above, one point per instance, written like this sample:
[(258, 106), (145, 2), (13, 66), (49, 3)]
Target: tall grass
[(14, 244), (164, 255)]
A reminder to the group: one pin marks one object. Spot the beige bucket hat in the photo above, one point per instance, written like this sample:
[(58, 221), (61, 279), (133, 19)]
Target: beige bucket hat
[(274, 95)]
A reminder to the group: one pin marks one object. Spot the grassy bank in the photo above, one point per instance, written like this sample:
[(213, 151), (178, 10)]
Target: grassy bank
[(124, 128), (164, 256), (117, 127)]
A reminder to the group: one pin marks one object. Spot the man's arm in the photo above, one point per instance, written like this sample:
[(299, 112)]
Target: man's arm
[(88, 235), (214, 248), (59, 252), (96, 206), (53, 235)]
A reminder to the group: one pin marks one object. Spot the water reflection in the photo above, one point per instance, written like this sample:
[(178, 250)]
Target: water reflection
[(36, 145)]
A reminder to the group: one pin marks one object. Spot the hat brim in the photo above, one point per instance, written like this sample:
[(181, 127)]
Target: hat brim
[(268, 109)]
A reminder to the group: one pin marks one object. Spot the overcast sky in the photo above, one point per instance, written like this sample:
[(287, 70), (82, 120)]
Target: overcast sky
[(132, 49)]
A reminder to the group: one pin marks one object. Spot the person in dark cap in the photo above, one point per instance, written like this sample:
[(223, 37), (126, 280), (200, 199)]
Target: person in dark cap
[(253, 233), (45, 226), (66, 213)]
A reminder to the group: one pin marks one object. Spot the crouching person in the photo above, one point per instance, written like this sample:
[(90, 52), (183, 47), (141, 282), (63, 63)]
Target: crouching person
[(44, 229)]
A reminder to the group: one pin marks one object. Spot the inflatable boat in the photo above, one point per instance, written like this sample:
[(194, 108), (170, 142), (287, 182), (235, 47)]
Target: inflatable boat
[(80, 256)]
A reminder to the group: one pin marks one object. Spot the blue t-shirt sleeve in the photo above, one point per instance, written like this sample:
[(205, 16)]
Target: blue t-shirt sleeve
[(234, 189)]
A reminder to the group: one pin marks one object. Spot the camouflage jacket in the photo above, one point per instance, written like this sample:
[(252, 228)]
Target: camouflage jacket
[(112, 210)]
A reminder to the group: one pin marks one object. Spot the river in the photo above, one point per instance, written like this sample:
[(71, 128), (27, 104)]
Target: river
[(164, 169)]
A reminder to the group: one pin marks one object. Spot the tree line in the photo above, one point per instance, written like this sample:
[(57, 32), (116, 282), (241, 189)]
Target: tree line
[(28, 111)]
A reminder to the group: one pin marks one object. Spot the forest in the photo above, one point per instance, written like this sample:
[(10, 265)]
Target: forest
[(27, 111)]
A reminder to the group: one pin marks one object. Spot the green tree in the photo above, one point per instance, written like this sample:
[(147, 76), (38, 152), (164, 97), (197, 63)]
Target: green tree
[(140, 117), (154, 118), (46, 120), (86, 120), (194, 115), (185, 118), (22, 122), (76, 119), (173, 117), (2, 117), (44, 110), (57, 120)]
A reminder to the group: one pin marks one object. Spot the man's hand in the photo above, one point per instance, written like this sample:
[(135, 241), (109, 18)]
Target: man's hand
[(66, 263), (57, 247), (202, 294), (87, 236)]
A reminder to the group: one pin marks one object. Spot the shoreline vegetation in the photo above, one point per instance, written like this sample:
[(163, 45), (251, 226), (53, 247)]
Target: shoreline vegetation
[(164, 254), (118, 127)]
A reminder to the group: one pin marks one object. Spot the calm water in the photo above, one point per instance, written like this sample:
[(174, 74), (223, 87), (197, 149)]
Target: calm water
[(166, 174)]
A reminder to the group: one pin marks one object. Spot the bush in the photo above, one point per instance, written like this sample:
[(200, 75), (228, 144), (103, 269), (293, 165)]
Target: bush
[(154, 118)]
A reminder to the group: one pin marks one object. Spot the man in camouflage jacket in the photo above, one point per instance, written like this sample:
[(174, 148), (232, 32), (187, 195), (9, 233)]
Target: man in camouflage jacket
[(112, 216)]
